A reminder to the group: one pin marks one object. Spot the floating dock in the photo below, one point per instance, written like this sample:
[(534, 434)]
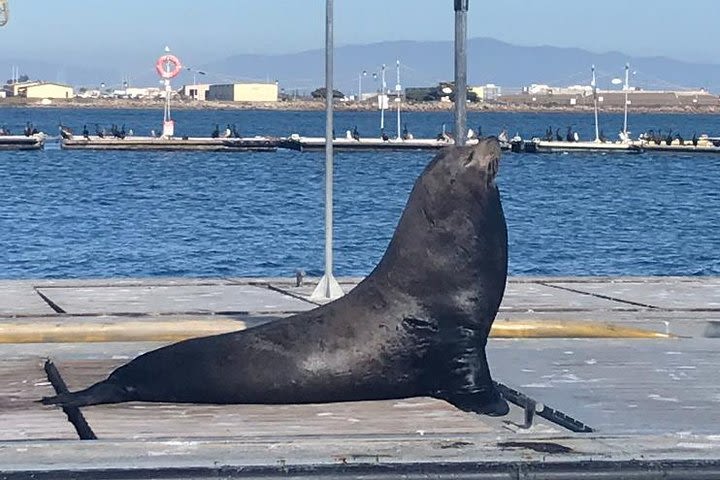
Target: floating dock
[(545, 146), (649, 401), (676, 147), (22, 142), (301, 144), (246, 144)]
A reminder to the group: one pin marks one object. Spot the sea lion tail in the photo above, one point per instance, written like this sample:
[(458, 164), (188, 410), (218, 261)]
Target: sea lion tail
[(102, 392)]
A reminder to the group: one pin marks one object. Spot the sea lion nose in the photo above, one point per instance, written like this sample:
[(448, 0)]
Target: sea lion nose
[(484, 156)]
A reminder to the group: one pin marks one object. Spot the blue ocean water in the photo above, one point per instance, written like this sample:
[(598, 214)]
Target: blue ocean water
[(67, 214)]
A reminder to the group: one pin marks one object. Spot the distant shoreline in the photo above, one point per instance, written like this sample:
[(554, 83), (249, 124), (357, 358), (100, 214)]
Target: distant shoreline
[(319, 105)]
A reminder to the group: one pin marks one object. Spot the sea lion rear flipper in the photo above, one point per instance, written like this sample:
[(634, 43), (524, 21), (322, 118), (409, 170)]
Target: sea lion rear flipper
[(103, 392)]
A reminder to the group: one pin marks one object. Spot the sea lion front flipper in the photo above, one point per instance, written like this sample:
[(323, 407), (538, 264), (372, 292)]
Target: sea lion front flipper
[(467, 383), (485, 402)]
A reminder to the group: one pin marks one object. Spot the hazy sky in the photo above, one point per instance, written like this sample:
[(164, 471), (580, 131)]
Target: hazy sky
[(202, 30)]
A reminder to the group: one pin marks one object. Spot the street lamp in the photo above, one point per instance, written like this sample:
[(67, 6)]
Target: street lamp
[(195, 73)]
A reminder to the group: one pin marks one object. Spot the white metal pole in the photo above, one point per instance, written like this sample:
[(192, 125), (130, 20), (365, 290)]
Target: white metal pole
[(382, 100), (595, 99), (626, 87), (328, 288), (398, 89)]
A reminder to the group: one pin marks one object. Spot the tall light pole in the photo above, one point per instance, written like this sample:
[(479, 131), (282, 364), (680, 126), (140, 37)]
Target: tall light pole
[(398, 93), (593, 84), (626, 87), (328, 288), (461, 9), (383, 98)]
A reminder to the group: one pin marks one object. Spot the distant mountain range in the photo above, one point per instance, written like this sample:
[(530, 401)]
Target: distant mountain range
[(422, 64)]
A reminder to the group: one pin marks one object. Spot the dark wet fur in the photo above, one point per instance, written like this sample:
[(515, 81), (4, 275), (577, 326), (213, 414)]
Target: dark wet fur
[(416, 326)]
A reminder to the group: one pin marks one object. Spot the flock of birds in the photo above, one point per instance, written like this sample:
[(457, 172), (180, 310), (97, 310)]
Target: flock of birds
[(650, 136), (231, 131), (28, 131)]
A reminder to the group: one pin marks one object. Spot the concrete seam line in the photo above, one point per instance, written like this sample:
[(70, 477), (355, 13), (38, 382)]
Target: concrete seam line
[(599, 295)]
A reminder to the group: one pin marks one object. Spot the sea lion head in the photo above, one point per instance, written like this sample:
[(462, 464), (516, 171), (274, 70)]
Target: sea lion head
[(452, 238), (464, 168)]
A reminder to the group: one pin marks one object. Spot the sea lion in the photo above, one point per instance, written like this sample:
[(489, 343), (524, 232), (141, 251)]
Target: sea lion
[(416, 326)]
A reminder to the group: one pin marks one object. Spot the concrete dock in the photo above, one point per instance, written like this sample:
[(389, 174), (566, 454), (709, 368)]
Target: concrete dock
[(634, 359)]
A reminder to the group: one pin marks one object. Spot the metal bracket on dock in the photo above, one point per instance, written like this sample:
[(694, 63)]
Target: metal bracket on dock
[(74, 414), (532, 407)]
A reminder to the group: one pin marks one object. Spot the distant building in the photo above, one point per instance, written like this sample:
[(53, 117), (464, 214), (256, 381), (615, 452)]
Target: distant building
[(13, 89), (43, 90), (244, 92), (487, 92), (580, 95), (196, 92), (540, 89)]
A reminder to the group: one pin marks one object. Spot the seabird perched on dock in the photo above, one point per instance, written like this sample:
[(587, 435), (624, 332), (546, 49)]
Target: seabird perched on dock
[(216, 133), (100, 133), (405, 134), (66, 132), (86, 133), (659, 138), (695, 139), (355, 134), (558, 137), (228, 131), (549, 134)]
